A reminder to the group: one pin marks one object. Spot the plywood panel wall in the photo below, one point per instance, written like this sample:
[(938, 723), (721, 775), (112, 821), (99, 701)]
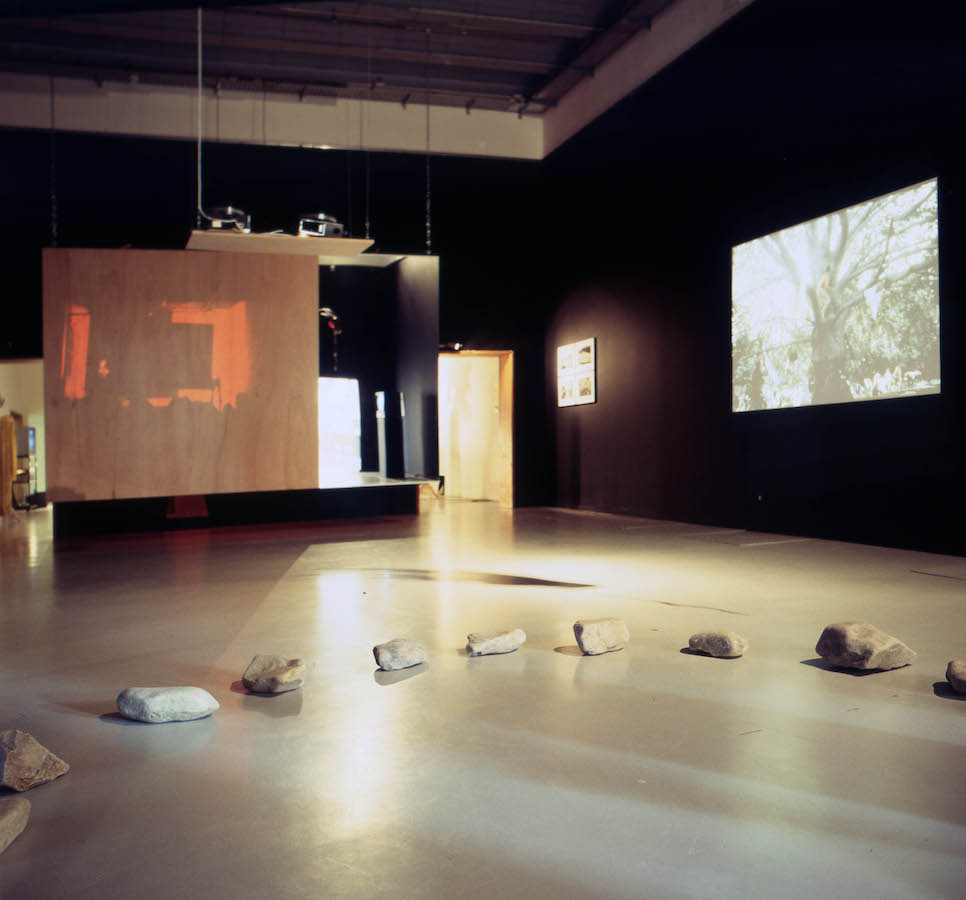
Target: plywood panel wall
[(179, 372)]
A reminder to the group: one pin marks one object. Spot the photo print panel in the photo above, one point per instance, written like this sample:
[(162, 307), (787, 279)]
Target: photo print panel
[(565, 359), (566, 390), (840, 308), (586, 389), (585, 355)]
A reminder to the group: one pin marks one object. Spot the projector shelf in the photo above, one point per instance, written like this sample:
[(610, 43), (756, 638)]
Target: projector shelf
[(239, 242)]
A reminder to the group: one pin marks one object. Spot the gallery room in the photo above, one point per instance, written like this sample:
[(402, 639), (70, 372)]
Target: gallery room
[(482, 449)]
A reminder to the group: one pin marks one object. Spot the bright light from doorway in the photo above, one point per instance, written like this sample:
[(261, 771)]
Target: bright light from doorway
[(340, 429)]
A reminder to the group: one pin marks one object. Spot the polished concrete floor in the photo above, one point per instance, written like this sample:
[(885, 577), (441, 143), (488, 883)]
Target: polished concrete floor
[(647, 773)]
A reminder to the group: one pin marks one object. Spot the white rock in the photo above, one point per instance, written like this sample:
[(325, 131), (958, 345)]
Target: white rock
[(483, 643), (14, 813), (270, 674), (859, 645), (165, 704), (722, 644), (596, 636), (956, 675), (399, 653)]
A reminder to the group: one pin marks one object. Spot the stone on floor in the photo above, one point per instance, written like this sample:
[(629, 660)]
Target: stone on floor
[(14, 812), (956, 675), (859, 645), (722, 644), (25, 762), (399, 653), (271, 674), (483, 643), (165, 704), (595, 636)]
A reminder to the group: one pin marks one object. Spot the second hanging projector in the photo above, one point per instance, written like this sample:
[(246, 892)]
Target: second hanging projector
[(320, 225)]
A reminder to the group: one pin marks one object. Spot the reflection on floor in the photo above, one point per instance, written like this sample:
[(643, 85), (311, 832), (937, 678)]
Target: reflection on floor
[(644, 773), (343, 479)]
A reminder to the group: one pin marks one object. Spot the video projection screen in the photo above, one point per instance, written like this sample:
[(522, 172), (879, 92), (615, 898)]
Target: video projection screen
[(841, 308)]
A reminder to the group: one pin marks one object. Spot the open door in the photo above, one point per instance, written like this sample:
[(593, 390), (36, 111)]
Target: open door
[(476, 424)]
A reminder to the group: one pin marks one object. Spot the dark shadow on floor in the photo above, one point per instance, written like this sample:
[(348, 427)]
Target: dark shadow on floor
[(572, 650), (944, 689), (957, 577), (115, 718), (480, 577), (822, 664), (730, 612), (687, 651), (385, 679)]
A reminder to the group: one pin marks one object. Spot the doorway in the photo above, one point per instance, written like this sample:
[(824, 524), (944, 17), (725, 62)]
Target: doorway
[(22, 396), (476, 424)]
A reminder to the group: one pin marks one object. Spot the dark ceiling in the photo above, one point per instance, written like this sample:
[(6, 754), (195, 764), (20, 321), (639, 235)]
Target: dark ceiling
[(501, 54)]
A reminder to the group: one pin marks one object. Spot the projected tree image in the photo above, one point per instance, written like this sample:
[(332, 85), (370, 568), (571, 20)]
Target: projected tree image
[(845, 307)]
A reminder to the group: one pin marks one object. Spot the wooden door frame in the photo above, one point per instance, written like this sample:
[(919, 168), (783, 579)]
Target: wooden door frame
[(505, 424)]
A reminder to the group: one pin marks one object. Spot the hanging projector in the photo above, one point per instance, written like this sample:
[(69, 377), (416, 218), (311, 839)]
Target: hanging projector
[(320, 225), (230, 218)]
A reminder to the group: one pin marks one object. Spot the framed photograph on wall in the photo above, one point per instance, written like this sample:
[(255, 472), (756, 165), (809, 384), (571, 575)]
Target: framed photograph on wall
[(565, 360), (577, 372), (585, 355), (566, 387), (586, 387)]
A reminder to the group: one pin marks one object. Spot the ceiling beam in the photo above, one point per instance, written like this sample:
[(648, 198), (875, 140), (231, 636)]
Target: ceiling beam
[(453, 21), (473, 95), (635, 18), (673, 31), (19, 8), (268, 118), (504, 26), (214, 40)]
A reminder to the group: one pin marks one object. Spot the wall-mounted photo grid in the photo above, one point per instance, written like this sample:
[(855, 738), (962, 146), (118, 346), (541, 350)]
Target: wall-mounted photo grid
[(577, 373)]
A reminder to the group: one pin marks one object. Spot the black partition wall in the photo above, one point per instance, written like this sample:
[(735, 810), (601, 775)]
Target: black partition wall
[(417, 334), (777, 118), (388, 323)]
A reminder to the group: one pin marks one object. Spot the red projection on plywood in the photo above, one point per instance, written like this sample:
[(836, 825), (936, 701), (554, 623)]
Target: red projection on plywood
[(230, 350), (230, 354), (73, 352)]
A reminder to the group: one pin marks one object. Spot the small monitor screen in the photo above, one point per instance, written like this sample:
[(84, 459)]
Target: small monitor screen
[(844, 307)]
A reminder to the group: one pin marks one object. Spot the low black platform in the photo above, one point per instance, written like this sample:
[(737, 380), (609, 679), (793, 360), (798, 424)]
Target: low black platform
[(370, 495)]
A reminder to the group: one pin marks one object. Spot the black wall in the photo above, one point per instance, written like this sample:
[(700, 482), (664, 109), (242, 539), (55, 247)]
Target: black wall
[(793, 110)]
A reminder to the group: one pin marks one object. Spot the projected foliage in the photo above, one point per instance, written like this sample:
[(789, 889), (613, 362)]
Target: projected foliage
[(845, 307)]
